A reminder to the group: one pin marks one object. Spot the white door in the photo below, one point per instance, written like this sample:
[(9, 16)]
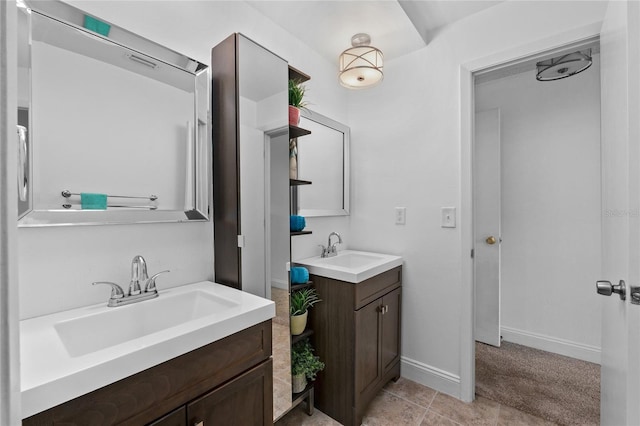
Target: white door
[(486, 193), (620, 72)]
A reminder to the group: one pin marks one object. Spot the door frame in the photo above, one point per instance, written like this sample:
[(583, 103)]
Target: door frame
[(467, 103), (10, 401), (268, 137)]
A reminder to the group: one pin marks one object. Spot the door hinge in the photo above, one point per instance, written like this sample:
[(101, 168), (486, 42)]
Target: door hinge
[(472, 253)]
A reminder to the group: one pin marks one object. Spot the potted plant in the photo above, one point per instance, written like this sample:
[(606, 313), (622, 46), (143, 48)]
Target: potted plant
[(300, 302), (296, 96), (304, 365)]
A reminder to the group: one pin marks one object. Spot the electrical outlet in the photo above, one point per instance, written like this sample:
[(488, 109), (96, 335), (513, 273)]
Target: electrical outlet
[(401, 215), (448, 217)]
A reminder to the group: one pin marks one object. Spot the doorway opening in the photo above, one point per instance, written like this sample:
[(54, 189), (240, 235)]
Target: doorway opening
[(537, 237)]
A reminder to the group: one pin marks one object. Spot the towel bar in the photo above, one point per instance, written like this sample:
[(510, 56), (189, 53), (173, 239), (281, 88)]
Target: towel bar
[(66, 193), (69, 206)]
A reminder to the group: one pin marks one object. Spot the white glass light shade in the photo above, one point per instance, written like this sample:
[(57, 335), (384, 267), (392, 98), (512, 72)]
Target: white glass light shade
[(361, 67)]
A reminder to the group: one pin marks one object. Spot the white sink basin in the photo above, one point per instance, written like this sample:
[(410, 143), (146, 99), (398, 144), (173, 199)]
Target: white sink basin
[(68, 354), (101, 330), (350, 265)]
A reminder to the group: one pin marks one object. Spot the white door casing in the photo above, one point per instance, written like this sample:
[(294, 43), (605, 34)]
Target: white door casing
[(620, 65), (574, 36), (486, 227)]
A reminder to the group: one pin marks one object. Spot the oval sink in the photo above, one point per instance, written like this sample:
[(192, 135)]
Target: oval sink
[(350, 265)]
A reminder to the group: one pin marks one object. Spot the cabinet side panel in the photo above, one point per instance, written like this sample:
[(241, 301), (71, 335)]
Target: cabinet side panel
[(333, 323), (226, 180)]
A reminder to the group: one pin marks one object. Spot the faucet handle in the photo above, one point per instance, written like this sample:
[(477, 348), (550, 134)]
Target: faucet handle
[(151, 282), (116, 290), (324, 250)]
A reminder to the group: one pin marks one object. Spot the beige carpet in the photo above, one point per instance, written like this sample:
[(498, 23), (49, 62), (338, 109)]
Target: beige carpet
[(554, 387)]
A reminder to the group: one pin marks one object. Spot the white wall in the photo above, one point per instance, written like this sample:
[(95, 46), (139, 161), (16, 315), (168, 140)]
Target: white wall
[(57, 265), (279, 198), (145, 135), (406, 152), (551, 209)]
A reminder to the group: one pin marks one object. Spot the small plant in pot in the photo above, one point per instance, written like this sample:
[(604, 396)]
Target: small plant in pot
[(304, 365), (296, 96), (299, 304)]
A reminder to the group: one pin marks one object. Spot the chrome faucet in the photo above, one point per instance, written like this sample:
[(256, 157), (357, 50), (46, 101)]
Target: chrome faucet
[(138, 273), (331, 249), (136, 294)]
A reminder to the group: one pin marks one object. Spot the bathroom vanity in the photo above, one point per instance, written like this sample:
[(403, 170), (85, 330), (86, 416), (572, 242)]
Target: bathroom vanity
[(225, 382), (357, 330), (196, 353)]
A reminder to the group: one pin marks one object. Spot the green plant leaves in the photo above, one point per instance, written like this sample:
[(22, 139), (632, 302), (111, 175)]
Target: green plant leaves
[(301, 300), (303, 361), (296, 94)]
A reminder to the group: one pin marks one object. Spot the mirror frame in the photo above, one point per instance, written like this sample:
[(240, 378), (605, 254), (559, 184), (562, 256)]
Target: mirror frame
[(201, 165), (346, 144)]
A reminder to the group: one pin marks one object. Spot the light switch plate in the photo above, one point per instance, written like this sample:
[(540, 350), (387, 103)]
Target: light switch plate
[(448, 217), (401, 215)]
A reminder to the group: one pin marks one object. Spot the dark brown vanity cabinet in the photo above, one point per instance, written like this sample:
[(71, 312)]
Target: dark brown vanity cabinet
[(228, 382), (357, 336)]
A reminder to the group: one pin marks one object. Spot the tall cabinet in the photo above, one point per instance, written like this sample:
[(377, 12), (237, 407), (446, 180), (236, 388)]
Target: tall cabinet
[(252, 204), (250, 97)]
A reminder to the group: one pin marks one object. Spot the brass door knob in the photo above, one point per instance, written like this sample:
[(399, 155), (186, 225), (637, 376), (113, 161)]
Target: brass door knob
[(491, 240)]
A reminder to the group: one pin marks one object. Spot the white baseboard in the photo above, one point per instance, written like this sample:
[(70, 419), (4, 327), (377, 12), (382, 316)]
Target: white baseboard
[(552, 344), (435, 378), (281, 284)]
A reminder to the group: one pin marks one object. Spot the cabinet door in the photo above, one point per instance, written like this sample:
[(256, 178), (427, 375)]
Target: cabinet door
[(244, 401), (367, 354), (391, 303), (175, 418)]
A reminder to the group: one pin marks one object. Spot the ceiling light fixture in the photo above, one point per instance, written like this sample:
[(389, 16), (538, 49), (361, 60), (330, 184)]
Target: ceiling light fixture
[(361, 65), (563, 66)]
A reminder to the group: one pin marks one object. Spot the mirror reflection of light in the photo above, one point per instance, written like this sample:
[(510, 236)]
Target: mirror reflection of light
[(22, 5)]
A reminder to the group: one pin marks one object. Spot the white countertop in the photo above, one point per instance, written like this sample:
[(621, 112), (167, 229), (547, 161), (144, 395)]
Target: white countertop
[(350, 265), (51, 376)]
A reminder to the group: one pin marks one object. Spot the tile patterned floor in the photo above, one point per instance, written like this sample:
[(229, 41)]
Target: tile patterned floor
[(409, 403), (281, 353)]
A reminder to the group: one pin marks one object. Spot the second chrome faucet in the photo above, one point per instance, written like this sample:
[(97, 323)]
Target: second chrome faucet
[(331, 249), (136, 293)]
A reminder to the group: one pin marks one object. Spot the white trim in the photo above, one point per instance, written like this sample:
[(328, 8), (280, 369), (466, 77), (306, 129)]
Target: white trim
[(281, 284), (551, 344), (467, 341), (267, 214), (430, 376), (10, 399)]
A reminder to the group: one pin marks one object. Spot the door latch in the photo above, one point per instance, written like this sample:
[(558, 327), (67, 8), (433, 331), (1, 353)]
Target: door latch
[(635, 294), (606, 289)]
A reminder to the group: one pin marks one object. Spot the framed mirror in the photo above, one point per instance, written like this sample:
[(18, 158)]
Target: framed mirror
[(323, 159), (113, 128)]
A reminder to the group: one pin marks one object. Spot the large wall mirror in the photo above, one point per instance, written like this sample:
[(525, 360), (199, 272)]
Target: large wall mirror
[(106, 112), (323, 158)]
